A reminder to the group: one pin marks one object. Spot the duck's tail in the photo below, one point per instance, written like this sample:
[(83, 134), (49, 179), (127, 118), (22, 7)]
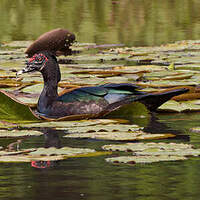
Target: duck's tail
[(151, 100), (154, 100)]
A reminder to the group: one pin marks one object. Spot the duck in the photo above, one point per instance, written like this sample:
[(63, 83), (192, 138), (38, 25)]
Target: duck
[(95, 100)]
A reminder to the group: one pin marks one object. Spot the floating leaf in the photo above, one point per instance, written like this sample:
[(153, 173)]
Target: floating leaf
[(195, 129), (152, 152), (32, 102), (114, 132), (19, 133), (141, 68), (138, 147), (68, 151), (13, 110), (143, 159), (158, 149), (174, 106), (36, 88), (80, 124), (120, 136), (107, 128), (185, 152), (18, 44), (13, 153), (47, 154), (167, 84), (26, 158)]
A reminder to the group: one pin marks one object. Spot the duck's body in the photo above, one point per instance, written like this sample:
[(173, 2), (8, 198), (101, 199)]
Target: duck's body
[(87, 100)]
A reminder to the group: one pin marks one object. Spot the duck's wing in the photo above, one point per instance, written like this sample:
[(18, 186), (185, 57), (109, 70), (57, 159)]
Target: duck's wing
[(110, 93)]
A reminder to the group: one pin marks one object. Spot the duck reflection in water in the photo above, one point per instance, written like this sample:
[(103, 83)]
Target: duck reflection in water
[(51, 139)]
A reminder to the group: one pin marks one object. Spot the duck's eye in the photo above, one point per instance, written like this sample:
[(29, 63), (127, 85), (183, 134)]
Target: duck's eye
[(39, 60)]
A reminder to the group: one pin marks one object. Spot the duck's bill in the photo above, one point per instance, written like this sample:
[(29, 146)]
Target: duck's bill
[(27, 69), (21, 72)]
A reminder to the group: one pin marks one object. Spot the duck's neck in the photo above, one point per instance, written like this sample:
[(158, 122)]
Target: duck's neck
[(51, 76)]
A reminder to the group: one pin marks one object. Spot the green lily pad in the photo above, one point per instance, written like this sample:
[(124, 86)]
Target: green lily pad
[(10, 64), (26, 158), (47, 154), (68, 151), (156, 149), (19, 133), (141, 68), (120, 136), (14, 153), (18, 44), (143, 159), (98, 57), (152, 152), (13, 110), (32, 102), (174, 106), (139, 147), (107, 128), (195, 129), (6, 124), (116, 132), (36, 88), (79, 124), (185, 152)]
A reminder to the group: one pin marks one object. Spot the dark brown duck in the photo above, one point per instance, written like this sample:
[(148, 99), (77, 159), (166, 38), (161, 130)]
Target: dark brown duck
[(87, 100), (98, 100)]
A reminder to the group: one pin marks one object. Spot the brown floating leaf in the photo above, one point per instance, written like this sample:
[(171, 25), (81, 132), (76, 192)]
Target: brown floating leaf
[(172, 77), (108, 72), (5, 83), (188, 96), (57, 40), (167, 84)]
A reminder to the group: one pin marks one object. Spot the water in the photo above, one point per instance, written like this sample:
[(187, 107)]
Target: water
[(93, 178), (148, 22), (131, 22)]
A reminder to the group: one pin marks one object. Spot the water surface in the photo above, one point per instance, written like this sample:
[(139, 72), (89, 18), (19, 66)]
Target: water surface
[(136, 22), (131, 22)]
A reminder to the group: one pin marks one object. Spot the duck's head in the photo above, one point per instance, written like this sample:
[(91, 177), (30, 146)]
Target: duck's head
[(35, 63)]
